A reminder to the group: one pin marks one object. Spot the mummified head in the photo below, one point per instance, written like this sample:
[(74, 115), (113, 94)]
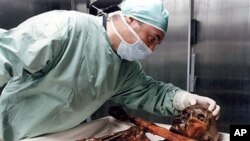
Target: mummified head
[(196, 122)]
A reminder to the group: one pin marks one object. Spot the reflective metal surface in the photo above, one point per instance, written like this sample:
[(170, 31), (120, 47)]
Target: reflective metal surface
[(168, 62), (13, 12), (223, 62)]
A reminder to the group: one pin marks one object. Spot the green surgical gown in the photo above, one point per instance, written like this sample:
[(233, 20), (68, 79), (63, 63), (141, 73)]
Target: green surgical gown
[(59, 67)]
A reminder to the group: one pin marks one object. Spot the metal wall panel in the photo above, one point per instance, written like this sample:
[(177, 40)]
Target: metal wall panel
[(223, 62), (13, 12), (168, 62)]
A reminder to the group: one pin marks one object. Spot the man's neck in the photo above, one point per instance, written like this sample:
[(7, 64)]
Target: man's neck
[(113, 38)]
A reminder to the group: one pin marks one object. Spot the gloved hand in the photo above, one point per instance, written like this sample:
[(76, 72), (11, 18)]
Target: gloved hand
[(184, 99)]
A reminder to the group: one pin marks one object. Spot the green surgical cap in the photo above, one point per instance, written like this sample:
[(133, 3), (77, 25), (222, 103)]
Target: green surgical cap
[(151, 12)]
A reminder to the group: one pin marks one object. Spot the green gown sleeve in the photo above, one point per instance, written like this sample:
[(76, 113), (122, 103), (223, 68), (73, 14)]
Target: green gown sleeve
[(5, 67), (30, 47), (139, 91)]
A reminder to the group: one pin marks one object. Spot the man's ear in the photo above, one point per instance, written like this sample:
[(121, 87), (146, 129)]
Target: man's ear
[(129, 19)]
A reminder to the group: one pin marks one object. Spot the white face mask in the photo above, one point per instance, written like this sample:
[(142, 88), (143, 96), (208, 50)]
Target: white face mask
[(131, 52)]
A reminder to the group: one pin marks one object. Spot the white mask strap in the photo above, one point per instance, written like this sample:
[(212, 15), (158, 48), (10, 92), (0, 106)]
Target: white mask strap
[(118, 34), (124, 21), (130, 28)]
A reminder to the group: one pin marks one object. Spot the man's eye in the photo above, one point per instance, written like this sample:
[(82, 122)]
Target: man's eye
[(153, 40)]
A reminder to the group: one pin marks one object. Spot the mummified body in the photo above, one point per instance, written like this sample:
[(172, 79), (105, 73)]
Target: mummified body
[(197, 123), (137, 132), (194, 124)]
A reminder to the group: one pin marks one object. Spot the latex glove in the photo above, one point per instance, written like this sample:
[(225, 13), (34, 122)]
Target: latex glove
[(184, 99)]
